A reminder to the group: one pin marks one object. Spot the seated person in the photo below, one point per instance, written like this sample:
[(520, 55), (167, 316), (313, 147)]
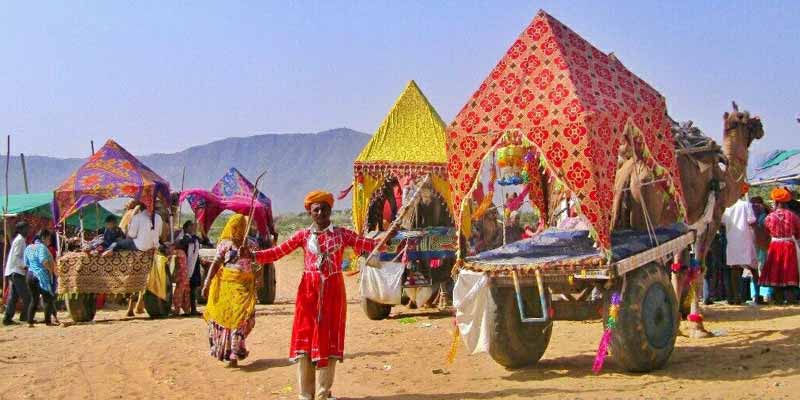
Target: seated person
[(514, 231), (106, 238), (143, 233)]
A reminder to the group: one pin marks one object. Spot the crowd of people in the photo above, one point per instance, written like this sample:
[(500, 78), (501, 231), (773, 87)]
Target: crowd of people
[(755, 254)]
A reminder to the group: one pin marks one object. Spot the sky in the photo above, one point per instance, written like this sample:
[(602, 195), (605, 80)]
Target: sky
[(163, 76)]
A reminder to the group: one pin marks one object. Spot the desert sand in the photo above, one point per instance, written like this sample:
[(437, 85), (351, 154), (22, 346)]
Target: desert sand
[(403, 358)]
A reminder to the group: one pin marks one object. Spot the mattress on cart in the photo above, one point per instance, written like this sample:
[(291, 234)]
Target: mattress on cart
[(555, 247)]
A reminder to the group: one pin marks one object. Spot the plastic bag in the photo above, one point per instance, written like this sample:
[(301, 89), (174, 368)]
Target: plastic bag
[(384, 285)]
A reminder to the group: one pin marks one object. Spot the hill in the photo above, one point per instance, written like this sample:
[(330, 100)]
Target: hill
[(296, 163)]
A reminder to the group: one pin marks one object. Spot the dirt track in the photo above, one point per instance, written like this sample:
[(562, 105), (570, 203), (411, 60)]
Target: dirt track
[(116, 357)]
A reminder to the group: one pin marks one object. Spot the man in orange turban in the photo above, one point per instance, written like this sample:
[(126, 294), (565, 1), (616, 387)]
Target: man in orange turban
[(781, 195), (320, 309), (318, 196)]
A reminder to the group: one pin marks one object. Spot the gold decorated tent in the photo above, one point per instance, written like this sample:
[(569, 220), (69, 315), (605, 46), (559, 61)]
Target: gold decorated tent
[(409, 143)]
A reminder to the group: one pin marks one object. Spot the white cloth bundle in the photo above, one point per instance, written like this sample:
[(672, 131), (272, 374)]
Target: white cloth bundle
[(474, 310), (383, 285)]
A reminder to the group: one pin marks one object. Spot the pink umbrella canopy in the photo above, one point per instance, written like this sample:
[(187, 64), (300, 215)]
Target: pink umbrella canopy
[(233, 192)]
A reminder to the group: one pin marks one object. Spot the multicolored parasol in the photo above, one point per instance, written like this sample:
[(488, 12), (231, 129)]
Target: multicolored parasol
[(112, 172)]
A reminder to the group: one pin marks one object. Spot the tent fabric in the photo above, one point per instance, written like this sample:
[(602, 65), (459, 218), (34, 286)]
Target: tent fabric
[(207, 206), (575, 104), (410, 142), (112, 172), (40, 205), (411, 137), (234, 186), (780, 166)]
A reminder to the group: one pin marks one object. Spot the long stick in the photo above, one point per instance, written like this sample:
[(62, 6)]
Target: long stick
[(96, 205), (252, 208), (5, 211), (24, 171)]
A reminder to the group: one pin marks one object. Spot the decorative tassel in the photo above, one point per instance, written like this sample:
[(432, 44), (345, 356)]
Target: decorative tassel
[(451, 354), (605, 341), (602, 352)]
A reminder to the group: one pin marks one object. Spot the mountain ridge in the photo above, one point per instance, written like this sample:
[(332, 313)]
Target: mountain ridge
[(287, 157)]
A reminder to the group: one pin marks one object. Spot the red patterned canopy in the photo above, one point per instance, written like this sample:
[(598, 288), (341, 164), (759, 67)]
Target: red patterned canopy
[(574, 103), (110, 173)]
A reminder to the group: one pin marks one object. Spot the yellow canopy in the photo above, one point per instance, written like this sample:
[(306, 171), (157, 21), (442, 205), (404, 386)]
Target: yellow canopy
[(412, 132), (410, 141)]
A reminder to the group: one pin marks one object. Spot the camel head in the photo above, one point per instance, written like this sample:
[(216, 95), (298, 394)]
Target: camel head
[(741, 128)]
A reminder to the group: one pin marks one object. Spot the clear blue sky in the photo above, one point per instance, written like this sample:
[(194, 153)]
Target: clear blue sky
[(161, 76)]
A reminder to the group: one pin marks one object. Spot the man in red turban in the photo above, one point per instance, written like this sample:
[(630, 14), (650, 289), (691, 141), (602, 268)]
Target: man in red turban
[(320, 308), (781, 268)]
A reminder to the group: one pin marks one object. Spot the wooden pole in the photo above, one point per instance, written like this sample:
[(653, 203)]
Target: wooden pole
[(96, 205), (24, 171), (5, 212), (180, 204)]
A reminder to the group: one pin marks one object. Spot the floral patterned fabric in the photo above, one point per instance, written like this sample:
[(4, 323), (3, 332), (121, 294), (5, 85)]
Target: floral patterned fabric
[(574, 103), (233, 187), (110, 173), (207, 206)]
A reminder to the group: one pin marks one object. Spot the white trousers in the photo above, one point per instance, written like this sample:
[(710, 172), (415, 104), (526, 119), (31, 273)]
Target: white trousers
[(315, 383)]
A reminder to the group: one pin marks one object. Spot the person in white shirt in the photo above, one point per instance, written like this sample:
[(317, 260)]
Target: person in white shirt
[(16, 275), (143, 233), (741, 252)]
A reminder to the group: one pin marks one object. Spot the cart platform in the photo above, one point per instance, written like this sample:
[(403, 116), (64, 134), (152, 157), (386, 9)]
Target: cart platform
[(557, 251)]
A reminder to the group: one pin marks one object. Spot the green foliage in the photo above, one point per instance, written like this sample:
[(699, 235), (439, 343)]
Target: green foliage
[(286, 224)]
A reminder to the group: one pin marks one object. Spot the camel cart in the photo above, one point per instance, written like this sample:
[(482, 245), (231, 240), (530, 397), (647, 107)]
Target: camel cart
[(550, 124), (400, 184), (112, 172), (234, 192)]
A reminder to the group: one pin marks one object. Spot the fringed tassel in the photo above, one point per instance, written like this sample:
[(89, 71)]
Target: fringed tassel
[(605, 341), (602, 351), (451, 354)]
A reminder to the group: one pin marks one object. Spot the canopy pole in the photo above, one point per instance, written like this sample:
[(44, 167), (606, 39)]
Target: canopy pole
[(24, 171), (96, 205), (5, 210), (180, 204), (80, 219)]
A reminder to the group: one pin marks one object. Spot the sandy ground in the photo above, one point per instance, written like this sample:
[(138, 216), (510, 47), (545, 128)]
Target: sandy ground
[(116, 357)]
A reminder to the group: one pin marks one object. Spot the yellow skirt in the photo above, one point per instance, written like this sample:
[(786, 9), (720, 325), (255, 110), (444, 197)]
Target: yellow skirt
[(231, 298)]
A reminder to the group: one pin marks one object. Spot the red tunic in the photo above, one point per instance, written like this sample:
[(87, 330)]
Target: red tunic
[(319, 328), (781, 267)]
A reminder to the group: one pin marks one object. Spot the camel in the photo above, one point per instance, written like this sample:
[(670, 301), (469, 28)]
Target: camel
[(703, 172)]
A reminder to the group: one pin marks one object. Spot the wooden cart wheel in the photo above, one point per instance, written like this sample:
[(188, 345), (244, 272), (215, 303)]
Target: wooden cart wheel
[(647, 324), (374, 310), (268, 288), (517, 344), (82, 308)]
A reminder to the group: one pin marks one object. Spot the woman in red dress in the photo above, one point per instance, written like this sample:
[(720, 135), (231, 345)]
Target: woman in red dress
[(781, 268), (320, 308)]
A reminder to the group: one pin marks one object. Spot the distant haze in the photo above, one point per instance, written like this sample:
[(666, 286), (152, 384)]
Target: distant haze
[(295, 164)]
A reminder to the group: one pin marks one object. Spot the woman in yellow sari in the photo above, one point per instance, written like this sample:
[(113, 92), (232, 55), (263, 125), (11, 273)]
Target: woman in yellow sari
[(230, 290)]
